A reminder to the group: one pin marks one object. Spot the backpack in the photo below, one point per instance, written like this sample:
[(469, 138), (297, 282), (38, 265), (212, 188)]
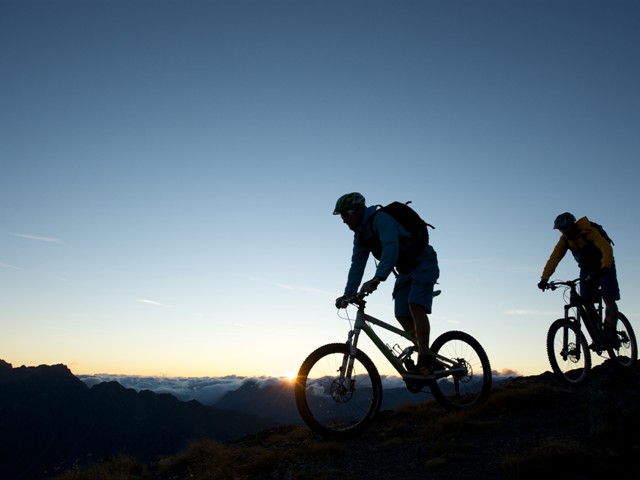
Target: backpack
[(602, 232), (589, 257), (410, 220), (412, 223)]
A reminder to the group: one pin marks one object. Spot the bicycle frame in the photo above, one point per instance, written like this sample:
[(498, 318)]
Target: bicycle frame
[(362, 324), (582, 316)]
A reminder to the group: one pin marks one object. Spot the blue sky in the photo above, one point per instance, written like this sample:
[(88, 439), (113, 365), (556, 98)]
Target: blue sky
[(169, 169)]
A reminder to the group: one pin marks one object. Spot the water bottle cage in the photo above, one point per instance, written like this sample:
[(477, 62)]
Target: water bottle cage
[(399, 353)]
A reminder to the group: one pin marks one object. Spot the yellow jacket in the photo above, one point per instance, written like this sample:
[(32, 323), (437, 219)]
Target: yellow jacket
[(590, 249)]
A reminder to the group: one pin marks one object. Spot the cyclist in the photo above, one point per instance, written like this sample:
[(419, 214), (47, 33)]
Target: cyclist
[(413, 289), (594, 255)]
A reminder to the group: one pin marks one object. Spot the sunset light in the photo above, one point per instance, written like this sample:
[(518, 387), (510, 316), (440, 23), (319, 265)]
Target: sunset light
[(170, 171)]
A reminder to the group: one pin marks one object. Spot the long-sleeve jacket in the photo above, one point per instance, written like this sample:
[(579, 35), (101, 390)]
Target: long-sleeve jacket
[(389, 233), (590, 249)]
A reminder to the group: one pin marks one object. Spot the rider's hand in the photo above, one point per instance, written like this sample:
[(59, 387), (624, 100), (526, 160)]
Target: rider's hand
[(341, 302), (543, 284), (370, 286)]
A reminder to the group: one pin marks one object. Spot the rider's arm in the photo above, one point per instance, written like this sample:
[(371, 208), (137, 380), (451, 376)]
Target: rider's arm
[(389, 232), (558, 254), (358, 263)]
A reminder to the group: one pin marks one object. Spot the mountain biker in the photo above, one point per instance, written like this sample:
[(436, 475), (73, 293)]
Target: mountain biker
[(413, 289), (594, 255)]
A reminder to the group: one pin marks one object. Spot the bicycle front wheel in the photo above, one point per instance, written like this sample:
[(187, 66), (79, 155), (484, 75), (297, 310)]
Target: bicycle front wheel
[(627, 353), (568, 352), (462, 370), (332, 403)]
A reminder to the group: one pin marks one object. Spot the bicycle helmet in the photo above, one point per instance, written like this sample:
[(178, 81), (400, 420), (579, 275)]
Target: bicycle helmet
[(564, 220), (347, 202)]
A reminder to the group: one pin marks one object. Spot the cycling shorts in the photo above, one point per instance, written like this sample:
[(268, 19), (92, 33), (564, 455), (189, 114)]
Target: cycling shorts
[(417, 286), (607, 283)]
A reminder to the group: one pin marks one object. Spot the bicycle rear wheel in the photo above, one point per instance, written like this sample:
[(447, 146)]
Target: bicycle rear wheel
[(334, 406), (568, 352), (466, 380), (627, 353)]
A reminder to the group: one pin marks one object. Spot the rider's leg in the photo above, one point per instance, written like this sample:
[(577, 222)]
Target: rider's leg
[(611, 312), (406, 323), (610, 293), (413, 295), (422, 327), (610, 318), (401, 300), (594, 284), (418, 322)]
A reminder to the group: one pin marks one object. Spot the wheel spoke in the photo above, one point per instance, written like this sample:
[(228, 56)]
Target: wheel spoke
[(333, 404), (467, 381), (568, 352)]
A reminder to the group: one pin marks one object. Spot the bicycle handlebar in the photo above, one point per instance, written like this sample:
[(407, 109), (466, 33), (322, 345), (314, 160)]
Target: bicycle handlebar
[(562, 283), (568, 283), (358, 298)]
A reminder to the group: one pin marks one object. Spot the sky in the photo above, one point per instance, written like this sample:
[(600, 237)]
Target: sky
[(168, 171)]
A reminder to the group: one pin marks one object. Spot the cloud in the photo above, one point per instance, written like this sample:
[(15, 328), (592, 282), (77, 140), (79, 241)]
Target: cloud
[(152, 302), (284, 286), (210, 390), (392, 381), (505, 372), (35, 237), (13, 267), (206, 390)]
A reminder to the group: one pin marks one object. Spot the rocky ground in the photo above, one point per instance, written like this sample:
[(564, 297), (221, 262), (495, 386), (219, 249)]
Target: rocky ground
[(530, 428)]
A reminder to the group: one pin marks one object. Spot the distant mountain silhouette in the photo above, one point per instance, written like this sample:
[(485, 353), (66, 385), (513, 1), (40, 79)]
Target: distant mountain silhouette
[(530, 428), (268, 399), (49, 419), (275, 399)]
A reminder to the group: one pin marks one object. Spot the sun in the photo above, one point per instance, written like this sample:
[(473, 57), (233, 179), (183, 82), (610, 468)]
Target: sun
[(289, 376)]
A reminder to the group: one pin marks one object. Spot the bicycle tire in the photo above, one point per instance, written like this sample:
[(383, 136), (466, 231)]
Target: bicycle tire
[(627, 354), (572, 362), (329, 408), (457, 391)]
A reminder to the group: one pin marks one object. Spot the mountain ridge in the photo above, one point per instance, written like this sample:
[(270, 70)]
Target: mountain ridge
[(50, 419), (530, 427)]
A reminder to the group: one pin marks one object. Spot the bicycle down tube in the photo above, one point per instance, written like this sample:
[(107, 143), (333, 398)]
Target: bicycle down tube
[(361, 325)]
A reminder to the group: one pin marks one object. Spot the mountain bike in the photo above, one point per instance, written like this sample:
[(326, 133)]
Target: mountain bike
[(338, 389), (567, 348)]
